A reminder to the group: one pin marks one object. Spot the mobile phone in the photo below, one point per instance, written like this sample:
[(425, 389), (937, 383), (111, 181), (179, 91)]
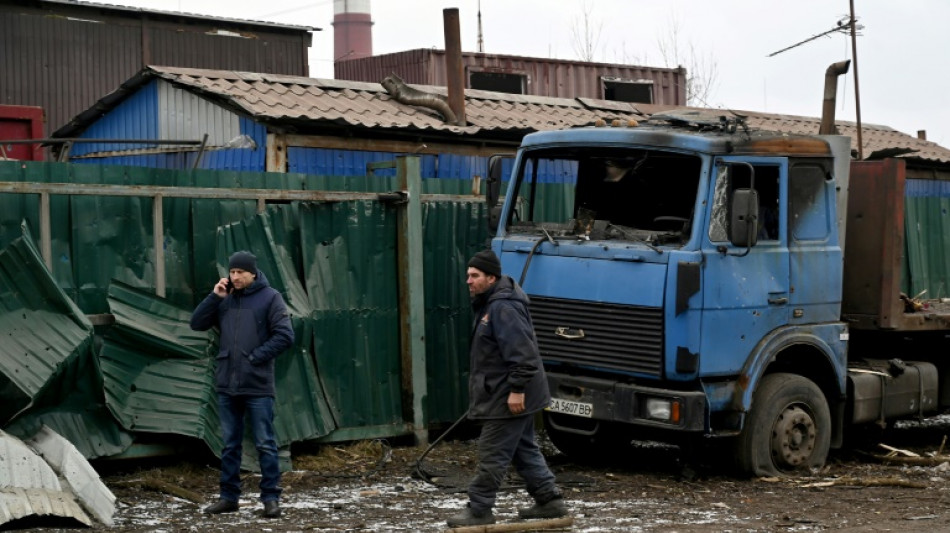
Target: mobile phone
[(229, 286)]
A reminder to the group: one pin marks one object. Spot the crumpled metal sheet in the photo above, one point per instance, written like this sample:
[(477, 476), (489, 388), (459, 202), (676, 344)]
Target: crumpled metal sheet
[(76, 472), (30, 487), (44, 334), (156, 375)]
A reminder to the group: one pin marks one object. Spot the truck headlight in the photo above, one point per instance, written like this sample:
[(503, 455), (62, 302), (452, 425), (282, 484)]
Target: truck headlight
[(666, 409)]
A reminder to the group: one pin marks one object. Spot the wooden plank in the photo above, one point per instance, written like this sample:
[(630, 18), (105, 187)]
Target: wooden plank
[(527, 525), (407, 147)]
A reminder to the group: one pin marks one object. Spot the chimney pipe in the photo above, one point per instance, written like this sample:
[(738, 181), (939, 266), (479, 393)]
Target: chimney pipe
[(453, 63), (922, 135), (831, 93)]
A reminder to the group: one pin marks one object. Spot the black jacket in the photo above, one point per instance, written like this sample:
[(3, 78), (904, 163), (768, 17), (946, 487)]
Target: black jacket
[(255, 328), (504, 354)]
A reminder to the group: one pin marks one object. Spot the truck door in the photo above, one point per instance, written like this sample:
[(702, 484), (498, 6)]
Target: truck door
[(745, 289)]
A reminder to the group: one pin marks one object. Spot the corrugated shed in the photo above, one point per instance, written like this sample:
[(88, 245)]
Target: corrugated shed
[(315, 105), (45, 336), (544, 76), (277, 99)]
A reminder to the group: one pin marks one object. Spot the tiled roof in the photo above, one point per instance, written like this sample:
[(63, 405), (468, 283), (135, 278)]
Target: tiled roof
[(312, 103), (275, 98)]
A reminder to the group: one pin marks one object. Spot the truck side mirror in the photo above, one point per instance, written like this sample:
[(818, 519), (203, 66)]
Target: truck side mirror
[(744, 217)]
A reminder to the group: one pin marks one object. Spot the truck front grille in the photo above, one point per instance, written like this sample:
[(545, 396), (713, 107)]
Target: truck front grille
[(609, 336)]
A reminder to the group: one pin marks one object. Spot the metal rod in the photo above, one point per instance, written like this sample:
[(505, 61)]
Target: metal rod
[(158, 242), (857, 89), (86, 189), (46, 234), (201, 151), (72, 140)]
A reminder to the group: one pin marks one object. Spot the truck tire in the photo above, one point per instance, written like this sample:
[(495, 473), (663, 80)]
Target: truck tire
[(788, 430)]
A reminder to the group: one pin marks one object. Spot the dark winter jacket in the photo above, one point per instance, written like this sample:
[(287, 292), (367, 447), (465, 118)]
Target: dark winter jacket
[(504, 354), (255, 328)]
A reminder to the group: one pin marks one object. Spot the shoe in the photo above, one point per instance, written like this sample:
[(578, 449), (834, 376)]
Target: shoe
[(271, 509), (468, 517), (222, 506), (551, 509)]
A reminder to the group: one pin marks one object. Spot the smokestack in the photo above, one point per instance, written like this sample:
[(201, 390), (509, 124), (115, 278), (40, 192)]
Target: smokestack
[(453, 63), (352, 30), (831, 93)]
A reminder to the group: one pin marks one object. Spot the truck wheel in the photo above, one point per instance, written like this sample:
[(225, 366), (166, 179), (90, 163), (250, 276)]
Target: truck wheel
[(788, 429)]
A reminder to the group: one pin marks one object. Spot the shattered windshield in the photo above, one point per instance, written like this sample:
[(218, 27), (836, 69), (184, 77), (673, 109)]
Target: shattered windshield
[(602, 194)]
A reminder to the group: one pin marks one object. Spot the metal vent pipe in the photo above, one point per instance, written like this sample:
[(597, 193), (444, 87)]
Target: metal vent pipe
[(453, 63), (831, 93)]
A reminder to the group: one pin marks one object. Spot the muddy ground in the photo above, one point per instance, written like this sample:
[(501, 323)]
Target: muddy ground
[(370, 486)]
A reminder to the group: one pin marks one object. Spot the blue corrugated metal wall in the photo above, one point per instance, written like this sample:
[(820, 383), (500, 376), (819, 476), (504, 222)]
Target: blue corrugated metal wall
[(135, 118)]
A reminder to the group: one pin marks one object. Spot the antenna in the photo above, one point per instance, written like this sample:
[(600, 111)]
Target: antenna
[(849, 26), (481, 42), (844, 25)]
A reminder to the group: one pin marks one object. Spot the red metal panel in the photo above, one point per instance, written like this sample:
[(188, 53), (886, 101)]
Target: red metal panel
[(20, 123), (874, 244), (545, 77)]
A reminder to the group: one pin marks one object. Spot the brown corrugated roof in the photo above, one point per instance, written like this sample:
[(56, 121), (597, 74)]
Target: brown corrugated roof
[(314, 102)]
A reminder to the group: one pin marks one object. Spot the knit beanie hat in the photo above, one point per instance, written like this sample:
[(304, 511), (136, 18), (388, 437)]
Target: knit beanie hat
[(244, 261), (487, 262)]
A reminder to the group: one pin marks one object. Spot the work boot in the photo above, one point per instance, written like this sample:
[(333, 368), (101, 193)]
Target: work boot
[(222, 506), (271, 509), (553, 508), (468, 517)]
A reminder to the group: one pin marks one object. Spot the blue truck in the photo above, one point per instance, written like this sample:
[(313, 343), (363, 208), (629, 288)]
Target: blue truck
[(689, 281)]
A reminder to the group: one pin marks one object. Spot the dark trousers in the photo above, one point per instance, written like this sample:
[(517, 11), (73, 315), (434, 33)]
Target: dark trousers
[(503, 443), (259, 410)]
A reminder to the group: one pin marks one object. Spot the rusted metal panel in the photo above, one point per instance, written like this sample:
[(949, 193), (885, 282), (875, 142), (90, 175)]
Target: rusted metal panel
[(66, 55), (544, 77), (875, 245)]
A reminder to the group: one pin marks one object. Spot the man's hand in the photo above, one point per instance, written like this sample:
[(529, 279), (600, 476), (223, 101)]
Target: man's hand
[(221, 288), (516, 402)]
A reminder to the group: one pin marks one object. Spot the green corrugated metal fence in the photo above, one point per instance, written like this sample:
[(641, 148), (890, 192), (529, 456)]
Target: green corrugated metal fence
[(334, 262)]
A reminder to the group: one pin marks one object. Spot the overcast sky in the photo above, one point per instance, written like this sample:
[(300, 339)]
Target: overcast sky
[(904, 77)]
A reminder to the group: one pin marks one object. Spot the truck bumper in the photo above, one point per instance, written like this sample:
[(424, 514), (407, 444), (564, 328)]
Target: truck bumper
[(629, 404)]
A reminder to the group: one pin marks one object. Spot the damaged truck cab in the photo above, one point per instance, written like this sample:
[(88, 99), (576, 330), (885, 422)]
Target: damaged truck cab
[(686, 282)]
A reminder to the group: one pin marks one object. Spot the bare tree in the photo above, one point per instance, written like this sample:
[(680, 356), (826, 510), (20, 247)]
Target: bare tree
[(585, 33), (702, 70)]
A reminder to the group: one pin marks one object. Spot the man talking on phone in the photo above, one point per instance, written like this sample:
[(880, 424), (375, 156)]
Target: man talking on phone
[(255, 328)]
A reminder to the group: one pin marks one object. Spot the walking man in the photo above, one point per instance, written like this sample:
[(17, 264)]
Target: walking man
[(506, 387), (255, 328)]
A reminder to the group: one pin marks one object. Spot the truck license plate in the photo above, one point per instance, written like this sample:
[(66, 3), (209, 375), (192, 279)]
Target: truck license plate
[(569, 407)]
